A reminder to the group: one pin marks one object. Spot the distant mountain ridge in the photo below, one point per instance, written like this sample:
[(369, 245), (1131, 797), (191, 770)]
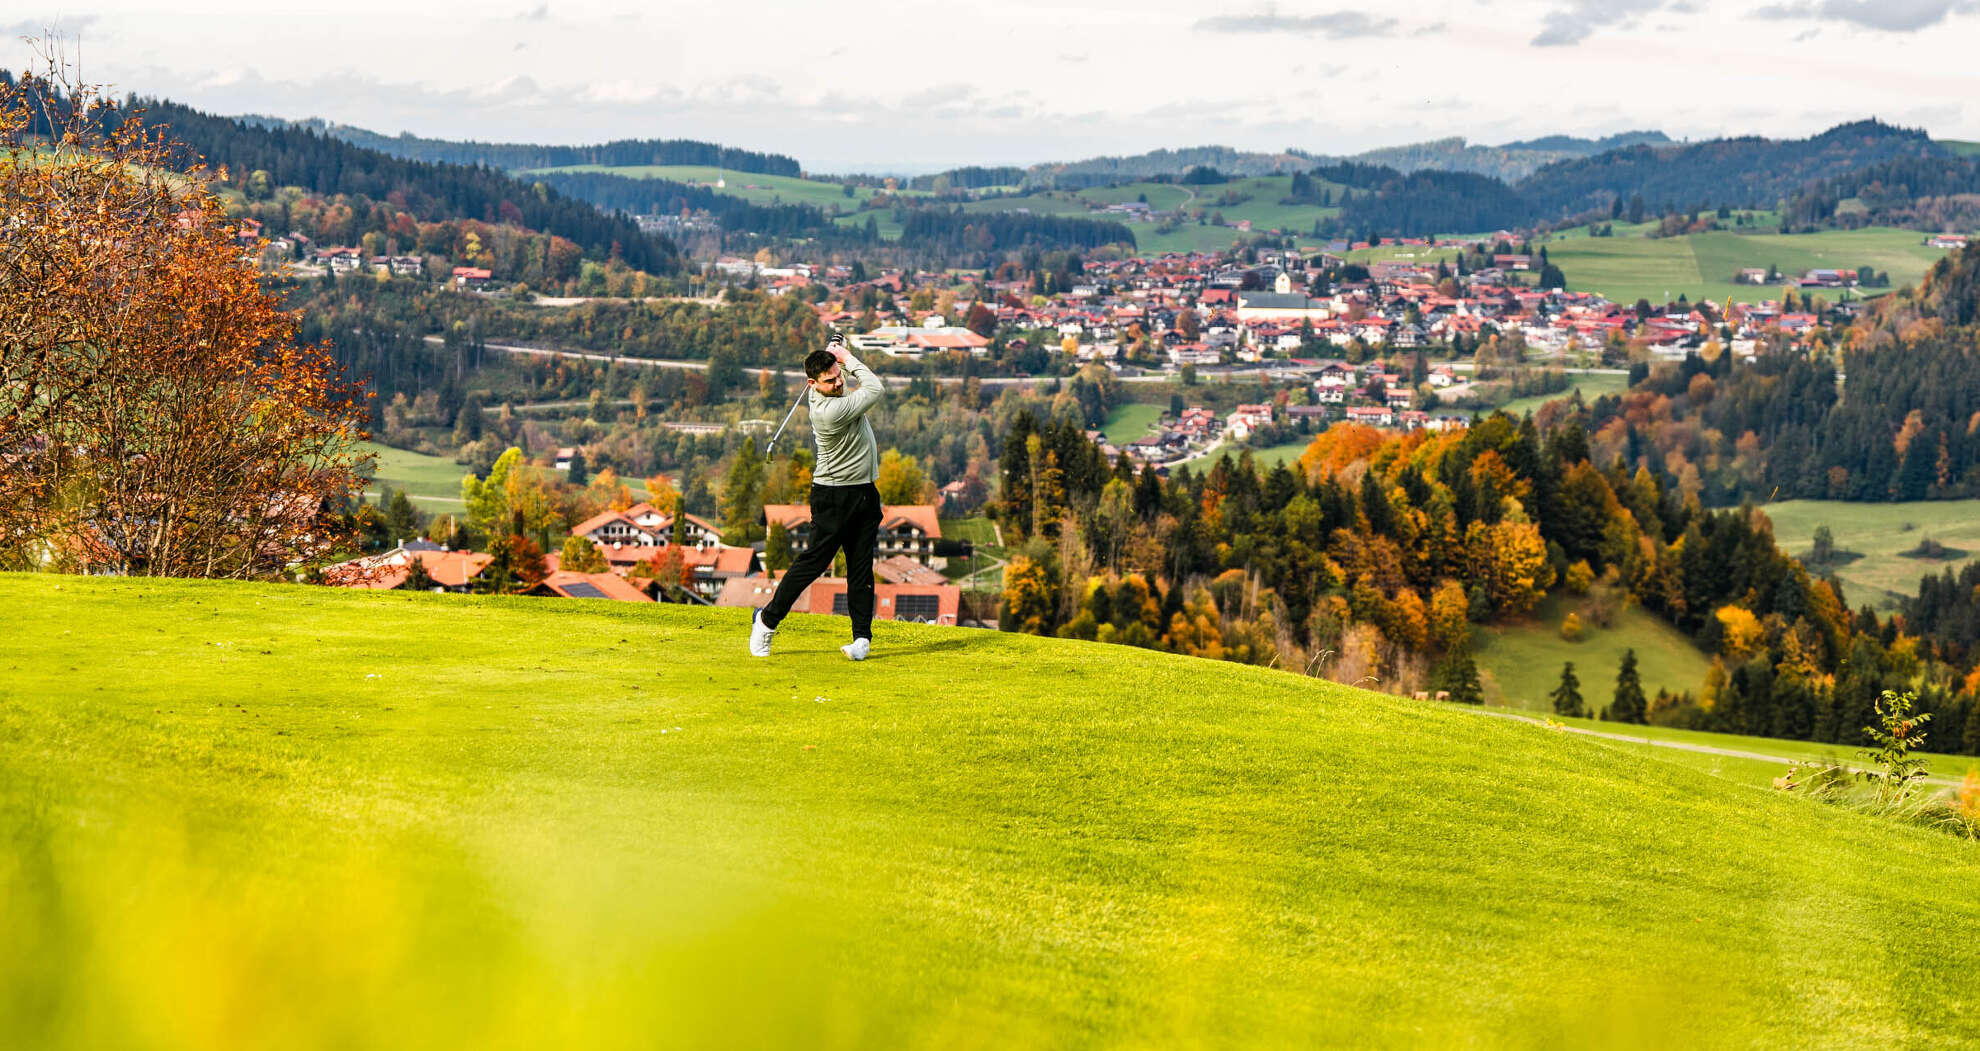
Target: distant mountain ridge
[(1511, 161)]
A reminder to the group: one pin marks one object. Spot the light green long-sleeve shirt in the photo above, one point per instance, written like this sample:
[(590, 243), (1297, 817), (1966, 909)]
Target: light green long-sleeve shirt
[(847, 453)]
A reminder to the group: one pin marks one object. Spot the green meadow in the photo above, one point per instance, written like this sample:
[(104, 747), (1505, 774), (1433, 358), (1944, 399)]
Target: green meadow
[(1591, 386), (433, 483), (1880, 533), (284, 817), (1520, 664), (1133, 420), (1629, 266), (1702, 265)]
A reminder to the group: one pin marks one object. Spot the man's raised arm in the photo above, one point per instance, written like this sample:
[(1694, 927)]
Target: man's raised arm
[(840, 411)]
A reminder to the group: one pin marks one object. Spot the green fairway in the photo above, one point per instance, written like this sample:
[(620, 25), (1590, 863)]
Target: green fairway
[(1521, 663), (283, 817), (1127, 422), (431, 482), (1879, 532)]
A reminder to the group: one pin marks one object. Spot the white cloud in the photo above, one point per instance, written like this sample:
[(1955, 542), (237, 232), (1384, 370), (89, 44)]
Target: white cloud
[(1334, 25), (1893, 16), (1580, 19)]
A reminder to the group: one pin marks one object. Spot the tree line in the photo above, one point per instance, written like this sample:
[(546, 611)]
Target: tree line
[(519, 156), (1374, 558)]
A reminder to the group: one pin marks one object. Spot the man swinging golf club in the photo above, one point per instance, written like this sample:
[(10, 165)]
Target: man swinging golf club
[(845, 504)]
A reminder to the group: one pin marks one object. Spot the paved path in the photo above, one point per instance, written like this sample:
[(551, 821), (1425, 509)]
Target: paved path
[(1683, 746)]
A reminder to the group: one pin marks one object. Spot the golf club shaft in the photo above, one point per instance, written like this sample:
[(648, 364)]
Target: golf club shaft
[(771, 451)]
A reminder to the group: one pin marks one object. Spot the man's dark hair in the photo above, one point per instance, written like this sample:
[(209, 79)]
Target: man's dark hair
[(817, 362)]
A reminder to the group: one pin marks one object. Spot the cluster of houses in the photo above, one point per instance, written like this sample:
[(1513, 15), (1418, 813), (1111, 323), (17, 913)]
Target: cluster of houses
[(909, 584)]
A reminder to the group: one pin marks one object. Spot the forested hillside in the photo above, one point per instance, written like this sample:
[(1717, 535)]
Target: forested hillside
[(429, 191), (1377, 556), (518, 156), (1749, 172)]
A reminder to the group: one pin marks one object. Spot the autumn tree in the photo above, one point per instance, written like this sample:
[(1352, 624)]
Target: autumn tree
[(514, 497), (902, 481), (581, 555), (157, 415)]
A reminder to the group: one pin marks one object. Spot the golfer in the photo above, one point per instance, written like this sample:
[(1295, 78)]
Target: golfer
[(845, 504)]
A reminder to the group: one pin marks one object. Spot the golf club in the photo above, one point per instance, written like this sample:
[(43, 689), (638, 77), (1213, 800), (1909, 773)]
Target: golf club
[(770, 452)]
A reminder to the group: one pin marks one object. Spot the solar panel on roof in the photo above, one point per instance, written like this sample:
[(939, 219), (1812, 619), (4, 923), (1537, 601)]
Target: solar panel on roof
[(584, 589)]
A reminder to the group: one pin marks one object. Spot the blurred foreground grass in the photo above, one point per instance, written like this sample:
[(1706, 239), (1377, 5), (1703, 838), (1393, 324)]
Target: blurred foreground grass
[(235, 816)]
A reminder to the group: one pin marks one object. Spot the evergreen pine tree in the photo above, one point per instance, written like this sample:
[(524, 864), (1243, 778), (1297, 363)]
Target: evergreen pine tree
[(1629, 704), (1567, 696), (1457, 674)]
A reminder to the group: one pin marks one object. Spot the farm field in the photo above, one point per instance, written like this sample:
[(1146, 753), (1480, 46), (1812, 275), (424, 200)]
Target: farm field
[(1879, 532), (280, 816), (1628, 266), (1701, 265), (1520, 664)]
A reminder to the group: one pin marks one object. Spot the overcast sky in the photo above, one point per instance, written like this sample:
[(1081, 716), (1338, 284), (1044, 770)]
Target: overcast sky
[(895, 86)]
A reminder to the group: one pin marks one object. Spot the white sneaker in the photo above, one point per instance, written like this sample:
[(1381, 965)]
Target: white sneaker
[(858, 649), (759, 636)]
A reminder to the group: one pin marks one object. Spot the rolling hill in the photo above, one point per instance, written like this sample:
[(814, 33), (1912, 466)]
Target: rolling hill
[(282, 816)]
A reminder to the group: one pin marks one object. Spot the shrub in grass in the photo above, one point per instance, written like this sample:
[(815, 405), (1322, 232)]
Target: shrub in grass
[(1580, 577)]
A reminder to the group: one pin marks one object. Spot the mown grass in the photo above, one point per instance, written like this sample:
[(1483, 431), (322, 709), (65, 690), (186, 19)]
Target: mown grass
[(1879, 532), (287, 817), (1520, 664)]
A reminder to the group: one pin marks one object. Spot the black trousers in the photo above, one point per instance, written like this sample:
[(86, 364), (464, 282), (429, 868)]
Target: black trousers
[(842, 516)]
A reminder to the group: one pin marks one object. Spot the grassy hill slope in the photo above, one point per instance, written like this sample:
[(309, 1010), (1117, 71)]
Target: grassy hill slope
[(237, 815)]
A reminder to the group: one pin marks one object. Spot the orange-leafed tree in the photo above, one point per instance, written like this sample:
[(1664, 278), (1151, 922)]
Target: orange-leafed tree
[(157, 416)]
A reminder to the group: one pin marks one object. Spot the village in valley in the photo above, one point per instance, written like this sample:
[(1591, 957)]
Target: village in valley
[(1317, 339)]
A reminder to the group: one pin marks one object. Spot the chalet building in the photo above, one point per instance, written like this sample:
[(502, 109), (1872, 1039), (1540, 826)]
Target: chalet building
[(909, 529), (643, 525), (452, 571)]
